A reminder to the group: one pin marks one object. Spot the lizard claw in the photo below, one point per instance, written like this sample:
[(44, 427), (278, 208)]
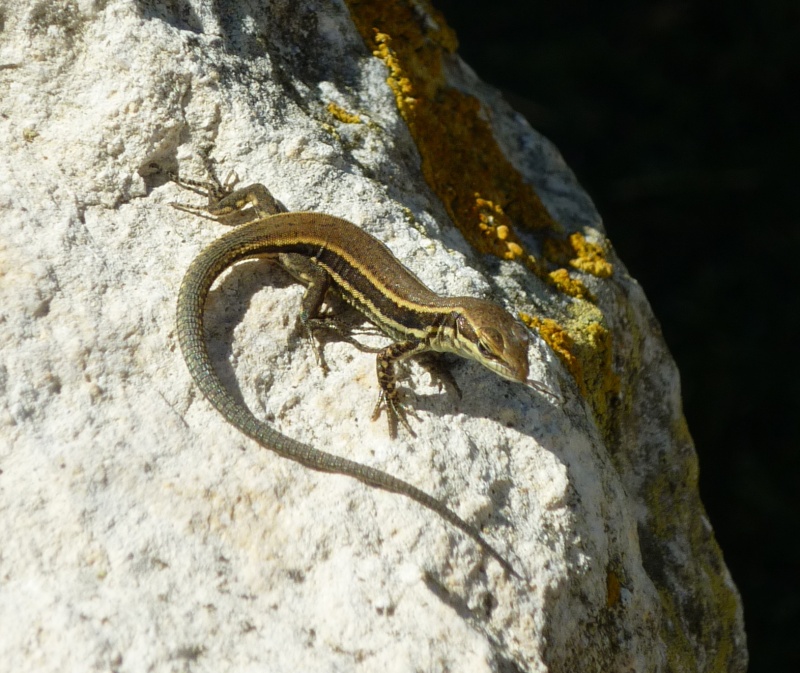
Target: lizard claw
[(395, 412)]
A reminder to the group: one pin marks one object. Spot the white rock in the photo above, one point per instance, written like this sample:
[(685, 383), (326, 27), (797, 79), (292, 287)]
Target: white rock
[(139, 532)]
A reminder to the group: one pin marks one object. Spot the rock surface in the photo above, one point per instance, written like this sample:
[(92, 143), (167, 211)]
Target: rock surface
[(140, 532)]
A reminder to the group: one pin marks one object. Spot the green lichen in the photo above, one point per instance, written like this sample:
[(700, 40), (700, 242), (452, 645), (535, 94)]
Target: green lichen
[(585, 347), (711, 615)]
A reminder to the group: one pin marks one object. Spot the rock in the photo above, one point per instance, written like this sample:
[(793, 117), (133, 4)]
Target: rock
[(141, 532)]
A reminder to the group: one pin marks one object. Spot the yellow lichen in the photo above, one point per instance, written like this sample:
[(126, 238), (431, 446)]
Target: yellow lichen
[(561, 279), (398, 82), (560, 341), (460, 156), (484, 195), (496, 227), (589, 257), (585, 348), (513, 250), (489, 202), (343, 115), (580, 254)]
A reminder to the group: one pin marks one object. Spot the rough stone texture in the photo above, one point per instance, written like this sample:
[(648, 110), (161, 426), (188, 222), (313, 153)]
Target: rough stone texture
[(141, 533)]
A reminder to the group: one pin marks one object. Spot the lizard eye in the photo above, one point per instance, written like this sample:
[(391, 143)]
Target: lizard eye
[(485, 350)]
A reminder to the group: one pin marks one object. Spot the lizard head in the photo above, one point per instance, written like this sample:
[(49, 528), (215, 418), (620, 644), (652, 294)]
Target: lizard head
[(489, 334)]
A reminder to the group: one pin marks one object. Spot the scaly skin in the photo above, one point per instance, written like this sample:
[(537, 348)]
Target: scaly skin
[(332, 253)]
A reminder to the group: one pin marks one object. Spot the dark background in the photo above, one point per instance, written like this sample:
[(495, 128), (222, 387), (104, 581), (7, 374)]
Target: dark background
[(681, 122)]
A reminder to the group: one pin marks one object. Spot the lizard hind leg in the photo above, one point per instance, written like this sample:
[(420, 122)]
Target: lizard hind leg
[(317, 283)]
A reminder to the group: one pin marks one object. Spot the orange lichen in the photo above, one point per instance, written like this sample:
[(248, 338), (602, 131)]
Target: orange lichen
[(496, 227), (561, 279), (343, 115), (590, 257), (587, 353), (484, 195), (560, 341), (460, 156), (397, 80), (578, 253)]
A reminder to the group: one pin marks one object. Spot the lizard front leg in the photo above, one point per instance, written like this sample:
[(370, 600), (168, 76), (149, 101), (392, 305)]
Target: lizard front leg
[(223, 201), (387, 379)]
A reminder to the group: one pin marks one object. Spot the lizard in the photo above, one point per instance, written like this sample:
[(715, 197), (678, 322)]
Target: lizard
[(328, 253)]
